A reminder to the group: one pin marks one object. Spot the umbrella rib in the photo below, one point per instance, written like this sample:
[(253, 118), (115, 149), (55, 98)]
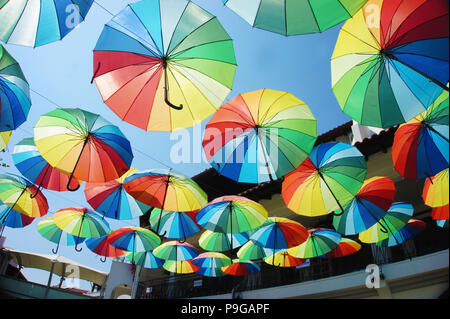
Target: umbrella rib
[(368, 44)]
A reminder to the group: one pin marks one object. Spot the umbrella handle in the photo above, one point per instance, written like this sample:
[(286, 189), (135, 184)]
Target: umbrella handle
[(78, 249), (166, 90), (182, 241), (103, 260), (340, 214), (68, 184), (35, 194)]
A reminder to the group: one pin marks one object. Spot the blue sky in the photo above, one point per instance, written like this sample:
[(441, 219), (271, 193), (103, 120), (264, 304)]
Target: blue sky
[(62, 72)]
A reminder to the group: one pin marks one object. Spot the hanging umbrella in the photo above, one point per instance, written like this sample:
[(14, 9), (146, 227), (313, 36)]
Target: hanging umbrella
[(436, 191), (389, 67), (83, 145), (174, 250), (174, 225), (4, 139), (396, 218), (327, 180), (294, 17), (250, 251), (15, 100), (319, 242), (35, 23), (180, 266), (13, 219), (413, 228), (48, 229), (369, 206), (167, 190), (283, 259), (111, 200), (33, 166), (211, 264), (241, 268), (260, 136), (102, 247), (420, 148), (440, 213), (145, 259), (164, 65), (81, 222), (346, 247), (215, 241)]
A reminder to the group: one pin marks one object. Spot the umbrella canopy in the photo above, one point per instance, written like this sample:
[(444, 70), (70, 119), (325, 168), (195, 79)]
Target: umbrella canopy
[(211, 264), (35, 23), (319, 242), (102, 247), (442, 223), (440, 213), (134, 239), (4, 139), (180, 266), (13, 219), (164, 65), (111, 200), (241, 268), (410, 230), (144, 259), (346, 247), (328, 179), (175, 250), (396, 218), (83, 145), (215, 241), (33, 166), (389, 67), (15, 99), (283, 259), (260, 136), (174, 225), (294, 17), (369, 205), (250, 251), (436, 191), (50, 231)]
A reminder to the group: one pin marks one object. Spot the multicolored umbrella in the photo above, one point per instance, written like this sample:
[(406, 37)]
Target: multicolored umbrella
[(215, 241), (35, 23), (440, 213), (50, 231), (175, 250), (211, 264), (111, 200), (82, 223), (83, 145), (250, 251), (174, 225), (241, 268), (396, 218), (13, 219), (420, 148), (15, 101), (33, 166), (391, 61), (369, 205), (294, 17), (436, 190), (145, 259), (320, 242), (164, 65), (284, 259), (102, 247), (4, 139), (180, 266), (410, 230), (327, 180), (346, 247), (260, 136)]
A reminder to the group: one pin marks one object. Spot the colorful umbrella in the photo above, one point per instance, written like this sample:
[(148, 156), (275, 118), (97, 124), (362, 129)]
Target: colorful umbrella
[(145, 259), (102, 247), (396, 218), (410, 230), (346, 247), (283, 259), (294, 17), (260, 136), (111, 200), (211, 264), (156, 51), (83, 145), (4, 139), (369, 206), (174, 250), (13, 219), (241, 268), (436, 191), (215, 241), (440, 213), (391, 60), (15, 100), (420, 148), (33, 166), (328, 179), (320, 242), (180, 266), (35, 23), (175, 225), (250, 251), (48, 229), (81, 222)]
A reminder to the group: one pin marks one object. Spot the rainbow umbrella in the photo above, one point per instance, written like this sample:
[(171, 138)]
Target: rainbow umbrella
[(13, 219), (33, 166), (436, 191), (442, 223), (215, 241), (175, 225), (145, 259), (35, 23), (102, 247), (369, 206), (4, 139), (164, 65), (391, 60), (175, 250), (211, 264), (241, 268), (15, 99), (260, 136), (81, 222), (50, 231), (250, 251), (283, 259), (83, 145), (319, 242), (346, 247), (180, 266), (413, 228), (294, 17), (111, 200), (440, 213), (331, 177), (396, 218)]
